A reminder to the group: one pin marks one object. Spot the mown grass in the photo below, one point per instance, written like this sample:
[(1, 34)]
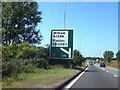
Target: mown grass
[(41, 78)]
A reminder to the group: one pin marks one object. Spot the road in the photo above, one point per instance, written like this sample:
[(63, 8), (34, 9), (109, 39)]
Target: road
[(113, 71), (95, 77)]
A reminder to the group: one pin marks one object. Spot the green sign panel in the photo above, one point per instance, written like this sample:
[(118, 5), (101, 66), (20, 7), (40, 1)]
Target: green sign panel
[(61, 45)]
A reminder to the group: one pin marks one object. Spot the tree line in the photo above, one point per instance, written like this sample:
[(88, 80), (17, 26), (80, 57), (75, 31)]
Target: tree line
[(108, 56)]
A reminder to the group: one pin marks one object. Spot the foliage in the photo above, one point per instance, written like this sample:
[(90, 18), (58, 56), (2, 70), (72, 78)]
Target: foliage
[(19, 35), (16, 66), (108, 55), (19, 20), (118, 55), (42, 63), (23, 58), (78, 58), (24, 51)]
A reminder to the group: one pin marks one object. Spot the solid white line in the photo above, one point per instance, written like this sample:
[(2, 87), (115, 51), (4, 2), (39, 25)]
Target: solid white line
[(72, 82)]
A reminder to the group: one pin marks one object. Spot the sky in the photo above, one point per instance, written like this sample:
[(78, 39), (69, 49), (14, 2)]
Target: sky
[(95, 25)]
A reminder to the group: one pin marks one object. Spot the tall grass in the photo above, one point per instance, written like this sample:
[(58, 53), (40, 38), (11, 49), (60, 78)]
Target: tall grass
[(40, 78)]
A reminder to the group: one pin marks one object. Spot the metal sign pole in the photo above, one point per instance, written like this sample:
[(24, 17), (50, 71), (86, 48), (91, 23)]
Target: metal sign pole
[(64, 14)]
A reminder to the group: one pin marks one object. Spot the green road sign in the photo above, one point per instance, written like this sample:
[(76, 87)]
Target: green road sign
[(61, 45)]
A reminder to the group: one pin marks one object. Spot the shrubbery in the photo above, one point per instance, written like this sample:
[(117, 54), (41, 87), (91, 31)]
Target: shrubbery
[(78, 58), (23, 58)]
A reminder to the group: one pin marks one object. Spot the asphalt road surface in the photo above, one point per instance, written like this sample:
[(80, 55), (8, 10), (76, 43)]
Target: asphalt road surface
[(94, 77), (113, 71)]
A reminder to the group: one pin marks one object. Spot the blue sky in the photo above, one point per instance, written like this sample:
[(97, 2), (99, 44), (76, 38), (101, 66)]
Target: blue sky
[(95, 24)]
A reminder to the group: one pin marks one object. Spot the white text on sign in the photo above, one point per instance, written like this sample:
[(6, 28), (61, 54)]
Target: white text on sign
[(59, 38)]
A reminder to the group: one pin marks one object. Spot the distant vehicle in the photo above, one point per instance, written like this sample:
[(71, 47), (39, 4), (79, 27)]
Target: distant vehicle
[(102, 65), (91, 63)]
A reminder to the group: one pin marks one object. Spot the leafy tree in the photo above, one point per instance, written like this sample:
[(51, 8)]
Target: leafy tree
[(19, 20), (118, 55), (108, 55), (78, 59)]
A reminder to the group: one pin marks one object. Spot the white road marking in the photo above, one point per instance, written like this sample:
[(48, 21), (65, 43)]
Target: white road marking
[(67, 52), (115, 75), (109, 71), (106, 71), (103, 69), (73, 81)]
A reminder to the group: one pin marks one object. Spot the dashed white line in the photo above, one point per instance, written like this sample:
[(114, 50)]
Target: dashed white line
[(103, 69), (106, 71), (115, 75), (71, 83)]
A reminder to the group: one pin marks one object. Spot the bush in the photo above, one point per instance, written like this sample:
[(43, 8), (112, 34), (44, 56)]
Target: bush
[(23, 58), (9, 52), (78, 58), (42, 63), (24, 51), (16, 66)]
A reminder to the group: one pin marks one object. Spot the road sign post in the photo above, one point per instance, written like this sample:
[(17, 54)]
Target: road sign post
[(61, 44)]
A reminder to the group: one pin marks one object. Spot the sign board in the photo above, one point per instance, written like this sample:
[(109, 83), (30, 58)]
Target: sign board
[(61, 46)]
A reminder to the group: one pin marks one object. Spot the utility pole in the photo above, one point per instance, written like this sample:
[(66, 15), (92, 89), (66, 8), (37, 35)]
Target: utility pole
[(65, 14), (69, 61)]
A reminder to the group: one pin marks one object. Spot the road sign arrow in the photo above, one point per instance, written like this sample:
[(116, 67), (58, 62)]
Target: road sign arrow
[(67, 52)]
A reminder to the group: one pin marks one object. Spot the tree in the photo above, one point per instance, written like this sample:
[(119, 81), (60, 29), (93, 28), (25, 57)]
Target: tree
[(108, 55), (118, 55), (19, 21), (78, 59)]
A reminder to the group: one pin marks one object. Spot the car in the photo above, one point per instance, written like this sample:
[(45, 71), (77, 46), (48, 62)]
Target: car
[(91, 63), (102, 65)]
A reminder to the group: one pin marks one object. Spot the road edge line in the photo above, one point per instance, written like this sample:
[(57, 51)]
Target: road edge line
[(73, 81)]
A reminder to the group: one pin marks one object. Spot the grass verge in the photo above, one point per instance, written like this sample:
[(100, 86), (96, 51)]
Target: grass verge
[(41, 78), (113, 64)]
